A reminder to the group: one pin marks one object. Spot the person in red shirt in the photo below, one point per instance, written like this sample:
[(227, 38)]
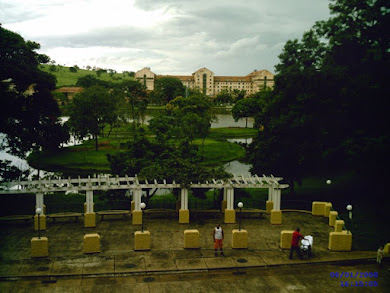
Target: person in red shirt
[(295, 243)]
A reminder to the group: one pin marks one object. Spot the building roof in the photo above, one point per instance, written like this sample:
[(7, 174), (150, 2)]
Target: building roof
[(72, 90)]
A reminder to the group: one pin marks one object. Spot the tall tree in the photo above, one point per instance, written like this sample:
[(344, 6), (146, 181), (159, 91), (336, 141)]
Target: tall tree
[(92, 110), (29, 115), (329, 103), (168, 88)]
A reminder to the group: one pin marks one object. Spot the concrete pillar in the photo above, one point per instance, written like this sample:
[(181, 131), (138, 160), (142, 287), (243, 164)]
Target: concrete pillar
[(39, 247), (339, 225), (191, 239), (286, 238), (269, 206), (224, 201), (276, 217), (89, 201), (332, 218), (92, 243), (90, 215), (142, 240), (270, 193), (277, 194), (230, 216), (340, 241), (137, 193), (39, 203), (230, 198), (239, 238), (184, 213)]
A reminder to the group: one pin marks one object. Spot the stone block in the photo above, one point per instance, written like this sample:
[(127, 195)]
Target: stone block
[(239, 238), (276, 217), (338, 225), (286, 238), (386, 249), (92, 243), (136, 217), (142, 240), (39, 247), (327, 209), (318, 208), (184, 216), (340, 241), (191, 239), (42, 222), (269, 205), (132, 205), (223, 205), (332, 218), (89, 220), (230, 216)]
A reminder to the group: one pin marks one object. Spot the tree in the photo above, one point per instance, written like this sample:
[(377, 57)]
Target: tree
[(224, 97), (329, 104), (134, 96), (90, 111), (185, 118), (28, 113), (168, 88), (73, 69), (244, 109), (163, 160), (90, 80)]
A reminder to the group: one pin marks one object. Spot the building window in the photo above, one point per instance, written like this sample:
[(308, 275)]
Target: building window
[(204, 83)]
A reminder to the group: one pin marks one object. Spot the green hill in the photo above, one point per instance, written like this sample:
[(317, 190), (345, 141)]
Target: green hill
[(67, 78)]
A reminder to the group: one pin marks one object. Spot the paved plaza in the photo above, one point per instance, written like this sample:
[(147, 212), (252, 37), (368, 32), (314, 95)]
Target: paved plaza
[(167, 255)]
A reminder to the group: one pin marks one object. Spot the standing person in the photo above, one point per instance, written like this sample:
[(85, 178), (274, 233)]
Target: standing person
[(295, 243), (218, 238), (379, 255)]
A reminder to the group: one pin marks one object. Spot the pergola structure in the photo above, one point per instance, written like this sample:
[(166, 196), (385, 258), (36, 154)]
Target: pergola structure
[(106, 182)]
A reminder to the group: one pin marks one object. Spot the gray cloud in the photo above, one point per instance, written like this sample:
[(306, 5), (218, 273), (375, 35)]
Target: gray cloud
[(229, 37)]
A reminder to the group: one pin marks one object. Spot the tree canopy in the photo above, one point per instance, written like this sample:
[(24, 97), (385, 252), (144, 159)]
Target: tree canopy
[(328, 107), (29, 115), (167, 88), (92, 110)]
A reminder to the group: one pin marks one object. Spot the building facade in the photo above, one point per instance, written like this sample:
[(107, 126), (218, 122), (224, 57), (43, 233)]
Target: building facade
[(210, 84)]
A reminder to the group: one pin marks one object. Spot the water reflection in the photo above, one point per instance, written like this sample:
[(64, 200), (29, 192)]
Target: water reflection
[(241, 140), (238, 168)]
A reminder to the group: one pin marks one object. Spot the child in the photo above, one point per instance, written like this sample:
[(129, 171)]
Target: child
[(379, 255)]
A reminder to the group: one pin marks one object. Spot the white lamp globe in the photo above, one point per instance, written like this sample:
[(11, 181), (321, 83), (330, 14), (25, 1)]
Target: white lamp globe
[(38, 211), (142, 205), (349, 207), (240, 204), (328, 181)]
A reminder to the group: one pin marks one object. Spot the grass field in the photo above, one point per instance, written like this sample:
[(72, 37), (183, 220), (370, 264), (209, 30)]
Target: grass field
[(84, 159), (67, 78)]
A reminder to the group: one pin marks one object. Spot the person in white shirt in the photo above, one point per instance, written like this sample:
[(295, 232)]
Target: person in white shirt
[(218, 238)]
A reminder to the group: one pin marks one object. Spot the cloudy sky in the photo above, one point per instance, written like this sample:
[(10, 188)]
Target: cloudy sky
[(170, 36)]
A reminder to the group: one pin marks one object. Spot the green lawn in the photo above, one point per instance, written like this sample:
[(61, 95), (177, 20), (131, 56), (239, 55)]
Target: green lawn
[(84, 159), (67, 78)]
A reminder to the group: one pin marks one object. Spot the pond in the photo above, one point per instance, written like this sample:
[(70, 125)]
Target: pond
[(223, 120)]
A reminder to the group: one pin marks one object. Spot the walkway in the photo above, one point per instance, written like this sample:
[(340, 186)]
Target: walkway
[(166, 255)]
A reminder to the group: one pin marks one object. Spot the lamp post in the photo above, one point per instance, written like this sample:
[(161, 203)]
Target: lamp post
[(142, 206), (240, 205), (38, 211), (349, 208)]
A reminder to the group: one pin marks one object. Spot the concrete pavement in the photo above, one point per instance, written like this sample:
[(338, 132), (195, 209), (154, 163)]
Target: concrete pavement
[(167, 256)]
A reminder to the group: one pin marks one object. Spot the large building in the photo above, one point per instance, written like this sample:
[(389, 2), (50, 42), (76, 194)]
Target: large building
[(210, 84)]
